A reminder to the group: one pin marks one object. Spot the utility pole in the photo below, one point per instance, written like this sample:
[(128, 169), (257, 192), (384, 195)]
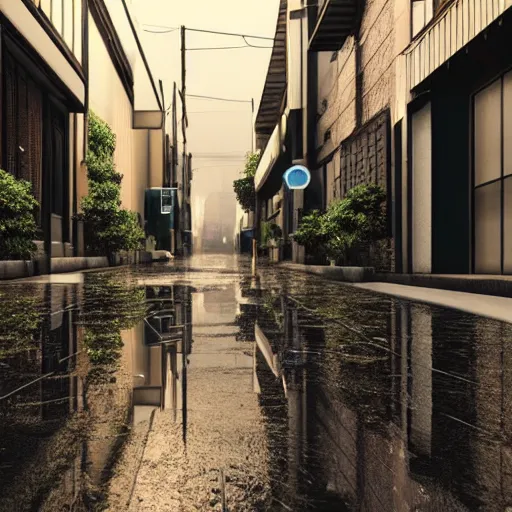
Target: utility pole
[(183, 94), (252, 125)]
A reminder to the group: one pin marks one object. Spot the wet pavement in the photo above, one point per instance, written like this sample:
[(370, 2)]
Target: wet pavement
[(188, 386)]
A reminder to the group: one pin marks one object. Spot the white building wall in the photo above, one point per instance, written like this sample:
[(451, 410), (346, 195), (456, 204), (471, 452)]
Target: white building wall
[(422, 190), (139, 153)]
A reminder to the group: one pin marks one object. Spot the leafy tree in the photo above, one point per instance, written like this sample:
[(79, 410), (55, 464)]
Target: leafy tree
[(109, 228), (18, 227), (244, 187)]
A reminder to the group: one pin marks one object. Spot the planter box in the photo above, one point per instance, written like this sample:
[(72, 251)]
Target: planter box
[(14, 269), (346, 274)]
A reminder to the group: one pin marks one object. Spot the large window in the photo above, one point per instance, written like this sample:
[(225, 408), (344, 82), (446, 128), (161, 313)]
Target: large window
[(493, 178), (23, 125)]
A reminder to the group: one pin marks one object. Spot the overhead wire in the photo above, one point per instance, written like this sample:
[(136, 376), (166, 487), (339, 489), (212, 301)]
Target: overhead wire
[(198, 96)]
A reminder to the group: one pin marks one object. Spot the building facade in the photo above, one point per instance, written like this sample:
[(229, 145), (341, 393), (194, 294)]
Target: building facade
[(60, 60), (410, 95)]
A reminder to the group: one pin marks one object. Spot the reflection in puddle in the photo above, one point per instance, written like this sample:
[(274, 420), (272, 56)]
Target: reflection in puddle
[(303, 395)]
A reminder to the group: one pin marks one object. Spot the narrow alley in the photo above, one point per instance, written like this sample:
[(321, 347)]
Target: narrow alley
[(188, 386)]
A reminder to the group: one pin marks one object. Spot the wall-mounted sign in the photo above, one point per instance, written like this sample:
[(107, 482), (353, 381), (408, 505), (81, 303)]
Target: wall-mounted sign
[(297, 177)]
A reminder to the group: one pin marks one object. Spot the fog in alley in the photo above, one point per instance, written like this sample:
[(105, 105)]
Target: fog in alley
[(220, 133)]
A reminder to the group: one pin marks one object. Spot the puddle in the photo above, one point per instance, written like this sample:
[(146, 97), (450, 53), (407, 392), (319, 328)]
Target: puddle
[(170, 389)]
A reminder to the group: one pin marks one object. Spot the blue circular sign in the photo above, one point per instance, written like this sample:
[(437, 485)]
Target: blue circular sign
[(297, 177)]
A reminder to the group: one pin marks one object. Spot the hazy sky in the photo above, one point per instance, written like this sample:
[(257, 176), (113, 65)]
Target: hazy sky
[(219, 133)]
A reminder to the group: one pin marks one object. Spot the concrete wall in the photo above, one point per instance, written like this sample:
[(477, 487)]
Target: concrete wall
[(139, 153)]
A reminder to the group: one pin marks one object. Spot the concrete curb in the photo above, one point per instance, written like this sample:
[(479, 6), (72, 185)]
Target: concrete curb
[(496, 286), (345, 274), (16, 268)]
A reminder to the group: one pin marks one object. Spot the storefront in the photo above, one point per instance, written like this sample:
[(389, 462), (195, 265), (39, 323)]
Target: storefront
[(460, 156)]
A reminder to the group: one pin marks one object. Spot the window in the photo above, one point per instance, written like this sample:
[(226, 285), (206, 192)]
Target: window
[(23, 125), (492, 172)]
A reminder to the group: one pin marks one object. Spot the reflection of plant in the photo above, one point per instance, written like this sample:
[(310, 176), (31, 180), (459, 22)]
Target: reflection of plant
[(108, 227), (111, 305), (20, 319), (17, 221)]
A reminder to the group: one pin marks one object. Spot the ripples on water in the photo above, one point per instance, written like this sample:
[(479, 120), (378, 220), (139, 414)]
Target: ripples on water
[(145, 386)]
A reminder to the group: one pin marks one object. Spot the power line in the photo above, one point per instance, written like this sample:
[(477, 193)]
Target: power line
[(198, 96), (228, 48), (232, 34), (229, 34), (159, 31)]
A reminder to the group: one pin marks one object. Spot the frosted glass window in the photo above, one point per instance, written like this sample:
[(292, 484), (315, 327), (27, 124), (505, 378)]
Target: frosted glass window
[(68, 22), (57, 14), (507, 123), (418, 16), (487, 134), (46, 6), (507, 214), (77, 48), (488, 229)]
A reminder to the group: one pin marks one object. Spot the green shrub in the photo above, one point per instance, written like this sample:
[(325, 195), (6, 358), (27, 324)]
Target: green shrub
[(108, 227), (18, 227), (357, 220), (244, 187)]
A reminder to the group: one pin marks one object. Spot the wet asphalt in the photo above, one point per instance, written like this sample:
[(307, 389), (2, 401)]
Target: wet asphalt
[(189, 386)]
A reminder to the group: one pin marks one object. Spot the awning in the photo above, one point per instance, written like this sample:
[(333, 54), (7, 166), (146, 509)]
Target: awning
[(271, 153), (336, 21), (275, 83)]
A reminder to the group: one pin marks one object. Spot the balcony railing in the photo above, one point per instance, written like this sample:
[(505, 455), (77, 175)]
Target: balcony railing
[(455, 26), (336, 19), (66, 18)]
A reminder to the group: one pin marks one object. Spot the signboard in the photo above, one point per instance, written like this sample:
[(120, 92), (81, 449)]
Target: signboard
[(297, 177)]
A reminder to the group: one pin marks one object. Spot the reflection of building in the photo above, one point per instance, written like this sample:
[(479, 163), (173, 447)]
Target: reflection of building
[(421, 423), (162, 344), (39, 388)]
